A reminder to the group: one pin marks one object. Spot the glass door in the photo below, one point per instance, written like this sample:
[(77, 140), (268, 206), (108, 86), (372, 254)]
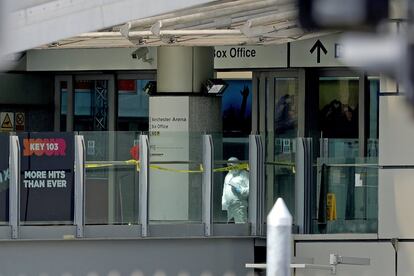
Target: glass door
[(343, 113), (85, 103), (280, 124), (63, 113), (94, 103)]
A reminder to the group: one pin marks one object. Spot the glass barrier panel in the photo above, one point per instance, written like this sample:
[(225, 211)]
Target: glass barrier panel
[(175, 177), (347, 195), (112, 177), (280, 172), (372, 148), (342, 148), (47, 178), (230, 179), (4, 178)]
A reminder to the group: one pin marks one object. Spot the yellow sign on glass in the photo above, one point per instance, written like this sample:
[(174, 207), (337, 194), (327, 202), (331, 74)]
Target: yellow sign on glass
[(331, 206)]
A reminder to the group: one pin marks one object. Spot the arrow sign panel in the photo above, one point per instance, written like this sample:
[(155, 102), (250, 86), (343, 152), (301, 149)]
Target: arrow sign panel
[(318, 46)]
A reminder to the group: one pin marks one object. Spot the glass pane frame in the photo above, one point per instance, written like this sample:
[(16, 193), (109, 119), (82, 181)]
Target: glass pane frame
[(59, 125), (235, 209), (359, 149), (350, 185), (110, 161), (265, 96), (111, 108), (137, 76)]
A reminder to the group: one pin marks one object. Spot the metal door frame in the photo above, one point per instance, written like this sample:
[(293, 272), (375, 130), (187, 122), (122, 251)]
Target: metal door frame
[(58, 102), (263, 113), (363, 100), (112, 108)]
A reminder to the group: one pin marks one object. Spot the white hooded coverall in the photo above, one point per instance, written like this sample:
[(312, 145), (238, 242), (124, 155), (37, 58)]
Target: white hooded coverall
[(236, 195)]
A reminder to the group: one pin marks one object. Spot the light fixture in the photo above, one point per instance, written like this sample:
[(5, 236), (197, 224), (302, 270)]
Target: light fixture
[(215, 86)]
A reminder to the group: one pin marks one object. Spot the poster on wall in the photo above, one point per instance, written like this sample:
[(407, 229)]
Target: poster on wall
[(47, 177), (4, 177), (237, 108)]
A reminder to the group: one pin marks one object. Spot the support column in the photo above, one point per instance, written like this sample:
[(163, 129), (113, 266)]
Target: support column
[(179, 115)]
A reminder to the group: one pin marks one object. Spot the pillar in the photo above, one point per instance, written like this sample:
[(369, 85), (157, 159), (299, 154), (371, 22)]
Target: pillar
[(179, 114)]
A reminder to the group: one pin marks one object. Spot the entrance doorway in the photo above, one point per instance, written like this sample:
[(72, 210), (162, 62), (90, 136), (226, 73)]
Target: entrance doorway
[(278, 116), (337, 111), (85, 102)]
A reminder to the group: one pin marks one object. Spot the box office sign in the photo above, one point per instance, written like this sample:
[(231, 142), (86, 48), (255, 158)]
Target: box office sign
[(4, 177), (47, 177)]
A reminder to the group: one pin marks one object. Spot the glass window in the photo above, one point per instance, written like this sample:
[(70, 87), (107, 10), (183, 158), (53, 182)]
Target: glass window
[(133, 105), (230, 181), (338, 107), (63, 104), (347, 195), (237, 108), (286, 111), (91, 105), (281, 143), (346, 182)]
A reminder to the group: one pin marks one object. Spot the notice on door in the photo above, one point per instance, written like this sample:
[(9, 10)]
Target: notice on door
[(47, 177)]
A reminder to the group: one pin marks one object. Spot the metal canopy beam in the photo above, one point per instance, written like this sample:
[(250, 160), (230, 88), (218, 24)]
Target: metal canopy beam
[(28, 24)]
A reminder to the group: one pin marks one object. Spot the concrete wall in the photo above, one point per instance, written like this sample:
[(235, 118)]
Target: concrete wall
[(396, 153), (89, 59), (26, 89), (178, 257), (31, 94), (381, 255)]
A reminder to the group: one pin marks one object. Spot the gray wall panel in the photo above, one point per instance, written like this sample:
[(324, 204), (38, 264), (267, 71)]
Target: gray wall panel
[(382, 256), (26, 89), (395, 208), (405, 261), (127, 257), (396, 131)]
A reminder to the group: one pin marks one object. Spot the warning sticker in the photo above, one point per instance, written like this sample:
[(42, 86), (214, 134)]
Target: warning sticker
[(7, 120), (20, 120)]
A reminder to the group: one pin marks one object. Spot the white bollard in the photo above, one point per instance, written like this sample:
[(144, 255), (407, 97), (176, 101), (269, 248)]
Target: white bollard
[(279, 229)]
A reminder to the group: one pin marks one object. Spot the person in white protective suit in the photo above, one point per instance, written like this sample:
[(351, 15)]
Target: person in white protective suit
[(235, 193)]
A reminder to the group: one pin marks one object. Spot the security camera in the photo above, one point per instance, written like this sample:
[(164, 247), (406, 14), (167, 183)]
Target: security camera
[(142, 54)]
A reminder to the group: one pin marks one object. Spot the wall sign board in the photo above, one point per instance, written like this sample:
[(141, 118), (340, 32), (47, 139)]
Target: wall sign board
[(231, 57), (324, 51), (47, 174)]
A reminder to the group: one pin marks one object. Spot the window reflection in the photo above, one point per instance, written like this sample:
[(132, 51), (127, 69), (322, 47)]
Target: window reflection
[(133, 105)]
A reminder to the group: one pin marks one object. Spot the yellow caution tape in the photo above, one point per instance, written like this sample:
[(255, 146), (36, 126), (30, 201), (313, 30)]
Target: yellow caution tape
[(283, 164), (200, 170), (242, 166), (96, 166), (107, 165)]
